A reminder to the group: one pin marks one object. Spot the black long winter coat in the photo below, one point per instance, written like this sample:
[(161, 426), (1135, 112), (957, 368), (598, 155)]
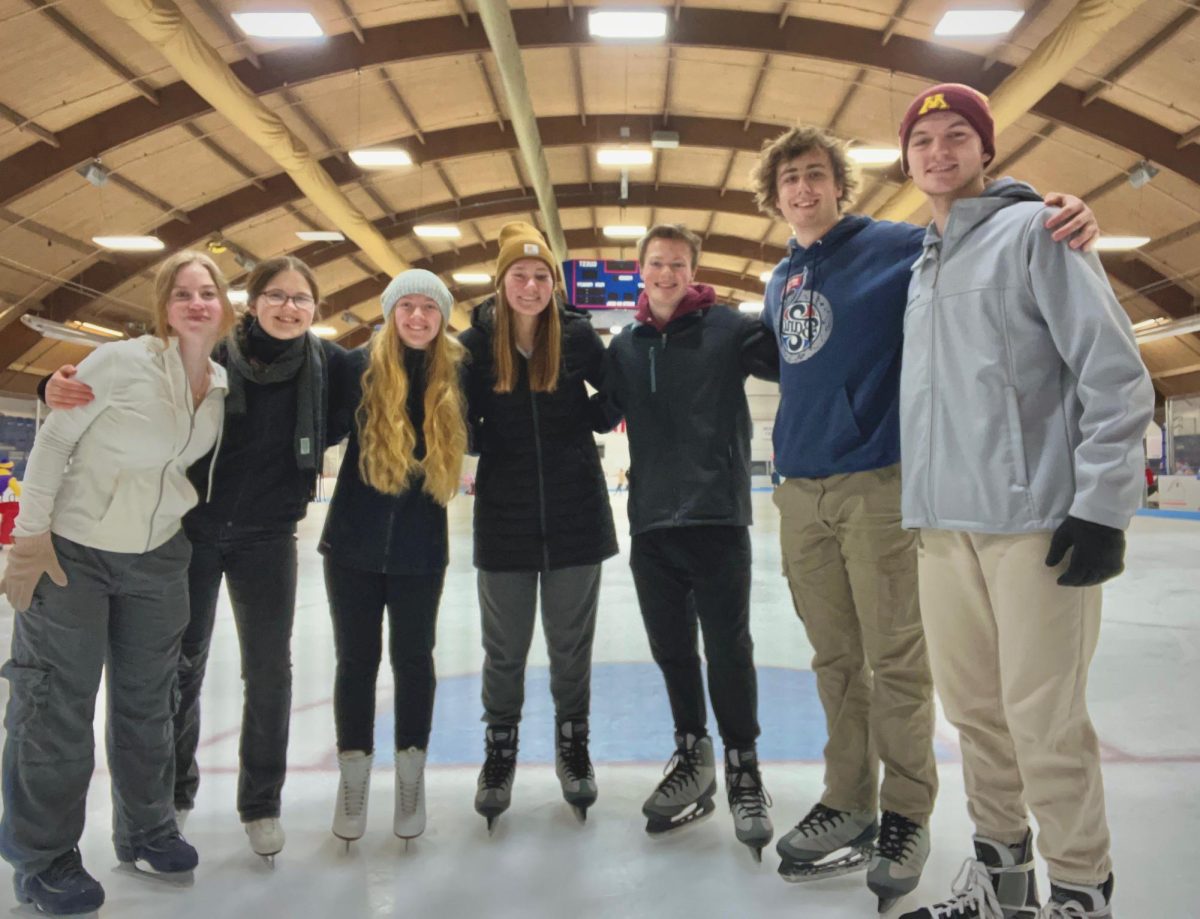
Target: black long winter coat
[(541, 500)]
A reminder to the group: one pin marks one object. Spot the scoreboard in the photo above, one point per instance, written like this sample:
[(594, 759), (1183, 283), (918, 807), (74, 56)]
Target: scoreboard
[(599, 284)]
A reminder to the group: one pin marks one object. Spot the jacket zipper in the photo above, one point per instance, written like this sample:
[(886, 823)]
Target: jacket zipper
[(162, 476), (537, 451), (937, 270)]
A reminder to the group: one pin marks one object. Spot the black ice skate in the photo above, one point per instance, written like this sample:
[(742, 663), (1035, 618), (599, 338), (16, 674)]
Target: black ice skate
[(900, 856), (827, 843), (997, 884), (686, 794), (170, 859), (494, 791), (748, 800), (573, 767), (1075, 901), (63, 889)]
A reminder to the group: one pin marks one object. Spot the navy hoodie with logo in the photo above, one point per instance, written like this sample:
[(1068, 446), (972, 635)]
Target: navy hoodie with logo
[(836, 309)]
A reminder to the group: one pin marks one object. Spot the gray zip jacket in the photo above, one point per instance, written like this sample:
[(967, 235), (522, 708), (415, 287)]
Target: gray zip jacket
[(1023, 397)]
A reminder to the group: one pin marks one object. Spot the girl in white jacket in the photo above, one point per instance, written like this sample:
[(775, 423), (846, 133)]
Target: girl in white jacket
[(98, 577)]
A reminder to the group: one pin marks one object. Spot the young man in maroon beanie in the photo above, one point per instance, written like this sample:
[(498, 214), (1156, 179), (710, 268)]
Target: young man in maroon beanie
[(1023, 402)]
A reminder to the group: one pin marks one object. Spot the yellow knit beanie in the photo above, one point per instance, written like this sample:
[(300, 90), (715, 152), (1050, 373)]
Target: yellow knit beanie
[(520, 240)]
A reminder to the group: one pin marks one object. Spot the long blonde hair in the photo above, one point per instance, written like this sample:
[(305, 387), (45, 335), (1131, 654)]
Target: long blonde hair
[(547, 347), (164, 283), (387, 440)]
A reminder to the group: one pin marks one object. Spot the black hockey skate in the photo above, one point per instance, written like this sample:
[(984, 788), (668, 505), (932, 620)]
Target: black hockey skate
[(827, 843), (170, 859), (685, 796), (900, 856), (998, 883), (573, 767), (494, 791), (748, 800)]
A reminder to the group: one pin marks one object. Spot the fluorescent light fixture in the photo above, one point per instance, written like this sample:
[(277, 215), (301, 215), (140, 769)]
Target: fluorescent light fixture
[(664, 140), (239, 297), (751, 306), (320, 236), (765, 276), (624, 157), (130, 243), (471, 277), (48, 328), (620, 231), (975, 23), (615, 329), (380, 157), (1120, 243), (1165, 328), (279, 25), (437, 231), (325, 331), (627, 24), (95, 329), (874, 156)]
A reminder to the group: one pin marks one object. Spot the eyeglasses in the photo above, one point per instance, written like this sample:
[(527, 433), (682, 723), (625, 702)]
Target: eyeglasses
[(279, 298)]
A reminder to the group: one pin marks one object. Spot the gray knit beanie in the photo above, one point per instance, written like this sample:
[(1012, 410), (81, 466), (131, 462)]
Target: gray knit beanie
[(417, 281)]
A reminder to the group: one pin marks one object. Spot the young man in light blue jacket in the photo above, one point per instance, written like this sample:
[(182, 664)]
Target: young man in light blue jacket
[(1023, 403)]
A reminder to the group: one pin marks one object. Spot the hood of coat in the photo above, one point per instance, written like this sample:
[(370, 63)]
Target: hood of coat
[(697, 297), (968, 213)]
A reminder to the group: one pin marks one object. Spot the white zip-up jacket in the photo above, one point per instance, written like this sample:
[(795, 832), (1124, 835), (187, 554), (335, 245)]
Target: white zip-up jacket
[(1023, 397), (112, 474)]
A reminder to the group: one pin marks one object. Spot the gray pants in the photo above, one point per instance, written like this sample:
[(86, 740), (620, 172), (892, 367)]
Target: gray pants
[(123, 611), (508, 603)]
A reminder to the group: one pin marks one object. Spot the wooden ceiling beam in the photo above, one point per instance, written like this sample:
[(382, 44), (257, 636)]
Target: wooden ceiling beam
[(21, 123), (1160, 38), (894, 22), (314, 127), (754, 93), (1024, 150), (729, 29), (491, 90), (351, 20), (223, 155), (844, 104), (577, 69), (394, 91), (223, 21), (1032, 12)]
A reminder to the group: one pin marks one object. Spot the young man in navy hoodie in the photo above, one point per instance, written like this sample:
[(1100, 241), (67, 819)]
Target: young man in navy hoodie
[(678, 374), (836, 308)]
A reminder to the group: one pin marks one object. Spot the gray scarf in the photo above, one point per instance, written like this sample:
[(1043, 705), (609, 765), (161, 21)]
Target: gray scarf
[(302, 359)]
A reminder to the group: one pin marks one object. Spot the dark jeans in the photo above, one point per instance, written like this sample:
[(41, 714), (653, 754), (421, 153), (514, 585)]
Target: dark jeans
[(357, 600), (685, 574), (121, 612), (259, 567)]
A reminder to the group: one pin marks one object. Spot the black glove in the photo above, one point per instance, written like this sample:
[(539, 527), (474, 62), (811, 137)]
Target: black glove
[(1098, 552)]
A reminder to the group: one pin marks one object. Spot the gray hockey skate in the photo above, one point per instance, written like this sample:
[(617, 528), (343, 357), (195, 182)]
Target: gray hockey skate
[(685, 796), (998, 883), (1075, 901), (900, 856), (827, 843), (748, 800), (493, 793), (573, 767)]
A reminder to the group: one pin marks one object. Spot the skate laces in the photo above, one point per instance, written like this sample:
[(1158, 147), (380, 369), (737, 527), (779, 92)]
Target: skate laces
[(896, 836), (819, 819), (681, 769), (573, 751), (1069, 910), (66, 867), (746, 792), (498, 764), (973, 895), (354, 796), (408, 795)]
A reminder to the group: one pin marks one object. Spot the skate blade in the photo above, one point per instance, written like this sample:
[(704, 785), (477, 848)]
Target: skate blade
[(580, 812), (178, 879), (803, 872), (658, 827), (886, 903), (268, 860), (29, 909)]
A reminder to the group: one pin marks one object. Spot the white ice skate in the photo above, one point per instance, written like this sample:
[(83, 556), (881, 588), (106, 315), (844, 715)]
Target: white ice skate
[(266, 838), (354, 788), (408, 821)]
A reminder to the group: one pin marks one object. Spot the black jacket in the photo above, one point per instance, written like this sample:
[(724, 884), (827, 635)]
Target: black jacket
[(541, 500), (683, 394), (371, 531), (256, 482)]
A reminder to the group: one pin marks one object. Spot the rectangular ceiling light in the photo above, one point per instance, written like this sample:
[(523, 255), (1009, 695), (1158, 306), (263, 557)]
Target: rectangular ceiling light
[(627, 24), (974, 23), (618, 231), (279, 25), (874, 156), (320, 236), (471, 277), (97, 329), (751, 306), (380, 158), (130, 243), (436, 231), (324, 331), (239, 297), (623, 157), (765, 276), (1120, 243)]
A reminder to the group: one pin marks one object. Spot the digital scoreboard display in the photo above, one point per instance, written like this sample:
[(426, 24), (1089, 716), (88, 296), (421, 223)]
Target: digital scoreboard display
[(599, 284)]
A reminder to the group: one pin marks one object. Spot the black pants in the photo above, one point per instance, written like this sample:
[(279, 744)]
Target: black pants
[(700, 573), (356, 602), (259, 567)]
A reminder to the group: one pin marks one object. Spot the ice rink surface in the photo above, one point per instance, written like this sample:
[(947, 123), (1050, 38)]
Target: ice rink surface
[(1144, 694)]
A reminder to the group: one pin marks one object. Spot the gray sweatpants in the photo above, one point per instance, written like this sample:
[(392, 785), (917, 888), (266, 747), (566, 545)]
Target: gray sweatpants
[(122, 611), (508, 604)]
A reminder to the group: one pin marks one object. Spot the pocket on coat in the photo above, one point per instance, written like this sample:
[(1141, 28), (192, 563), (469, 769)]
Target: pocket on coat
[(1015, 440)]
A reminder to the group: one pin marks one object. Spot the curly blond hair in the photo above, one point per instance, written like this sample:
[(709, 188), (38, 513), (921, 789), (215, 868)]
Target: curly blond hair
[(387, 439)]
